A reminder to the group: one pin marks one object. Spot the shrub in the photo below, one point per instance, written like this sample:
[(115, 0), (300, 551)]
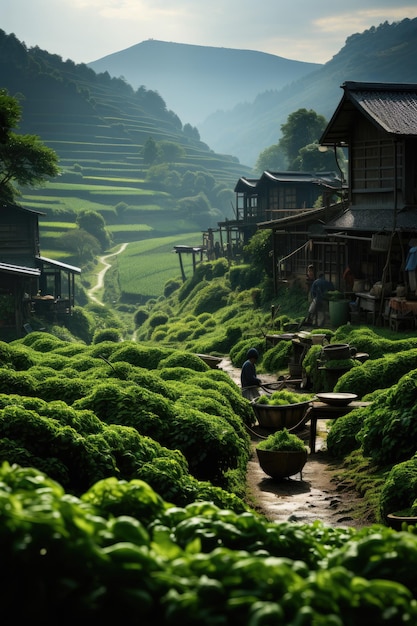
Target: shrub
[(282, 441), (399, 489), (108, 334), (158, 319)]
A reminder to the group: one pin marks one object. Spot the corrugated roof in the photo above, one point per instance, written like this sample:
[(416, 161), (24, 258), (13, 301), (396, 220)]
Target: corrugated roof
[(391, 107), (19, 270), (64, 266)]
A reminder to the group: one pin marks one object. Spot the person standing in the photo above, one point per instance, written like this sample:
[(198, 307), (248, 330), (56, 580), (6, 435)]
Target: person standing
[(248, 378), (319, 289), (310, 278)]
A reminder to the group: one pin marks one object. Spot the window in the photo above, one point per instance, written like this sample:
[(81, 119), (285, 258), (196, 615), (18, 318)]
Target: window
[(373, 165)]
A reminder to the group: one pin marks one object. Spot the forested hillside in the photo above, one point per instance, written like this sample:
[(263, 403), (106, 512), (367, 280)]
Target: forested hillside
[(387, 53), (122, 152)]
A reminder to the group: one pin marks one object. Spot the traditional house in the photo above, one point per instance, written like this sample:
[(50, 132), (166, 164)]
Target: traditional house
[(370, 236), (30, 284), (273, 196), (377, 124)]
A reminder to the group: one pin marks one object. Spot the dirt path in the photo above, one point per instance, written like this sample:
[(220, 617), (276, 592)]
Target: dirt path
[(100, 276), (315, 494)]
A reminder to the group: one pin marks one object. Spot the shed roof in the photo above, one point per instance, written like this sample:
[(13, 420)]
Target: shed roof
[(303, 217), (18, 270), (372, 220), (391, 107), (62, 266)]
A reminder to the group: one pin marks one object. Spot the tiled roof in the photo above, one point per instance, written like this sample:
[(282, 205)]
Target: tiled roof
[(394, 111), (391, 107), (324, 179)]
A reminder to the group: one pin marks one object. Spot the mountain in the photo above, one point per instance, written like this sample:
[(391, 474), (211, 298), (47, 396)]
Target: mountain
[(239, 99), (196, 81), (99, 126), (387, 53)]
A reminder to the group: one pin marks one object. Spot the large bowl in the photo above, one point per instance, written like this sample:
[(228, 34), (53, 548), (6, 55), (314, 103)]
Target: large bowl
[(277, 417), (281, 464), (211, 361), (337, 399)]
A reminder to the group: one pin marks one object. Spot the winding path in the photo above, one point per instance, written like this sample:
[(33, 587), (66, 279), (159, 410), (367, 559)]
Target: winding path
[(101, 274)]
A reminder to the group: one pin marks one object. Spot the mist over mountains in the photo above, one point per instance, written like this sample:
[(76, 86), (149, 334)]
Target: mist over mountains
[(196, 81), (239, 99)]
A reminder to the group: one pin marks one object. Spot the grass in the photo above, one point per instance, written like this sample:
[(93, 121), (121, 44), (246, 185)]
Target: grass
[(146, 266)]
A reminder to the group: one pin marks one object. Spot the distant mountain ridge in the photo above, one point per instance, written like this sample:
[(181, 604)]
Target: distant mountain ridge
[(264, 89), (387, 53), (196, 81)]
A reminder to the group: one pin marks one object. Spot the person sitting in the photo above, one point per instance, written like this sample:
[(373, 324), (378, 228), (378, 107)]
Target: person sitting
[(248, 377)]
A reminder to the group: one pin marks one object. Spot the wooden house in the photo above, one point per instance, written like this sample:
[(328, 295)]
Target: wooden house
[(377, 124), (369, 235), (30, 284), (273, 196)]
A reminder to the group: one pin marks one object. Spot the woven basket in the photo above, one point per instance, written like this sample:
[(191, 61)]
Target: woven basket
[(380, 243)]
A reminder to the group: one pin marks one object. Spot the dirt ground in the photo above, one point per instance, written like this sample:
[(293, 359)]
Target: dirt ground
[(317, 493)]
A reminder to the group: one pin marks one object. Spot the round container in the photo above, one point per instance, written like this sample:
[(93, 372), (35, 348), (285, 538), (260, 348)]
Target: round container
[(338, 351), (277, 417), (396, 521), (281, 464)]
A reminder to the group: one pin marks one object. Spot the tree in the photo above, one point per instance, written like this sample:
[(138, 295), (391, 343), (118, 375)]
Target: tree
[(94, 224), (171, 151), (272, 159), (82, 244), (191, 132), (24, 159), (150, 152), (301, 128), (310, 159)]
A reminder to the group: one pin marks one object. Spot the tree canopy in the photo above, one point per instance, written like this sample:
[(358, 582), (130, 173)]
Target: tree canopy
[(297, 150), (24, 159)]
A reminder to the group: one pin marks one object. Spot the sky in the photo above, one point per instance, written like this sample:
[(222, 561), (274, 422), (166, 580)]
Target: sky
[(302, 30)]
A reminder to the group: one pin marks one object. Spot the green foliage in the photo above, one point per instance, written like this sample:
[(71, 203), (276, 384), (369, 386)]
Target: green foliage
[(170, 287), (282, 441), (243, 277), (258, 251), (211, 298), (400, 488), (377, 373), (141, 355), (220, 554), (342, 437), (276, 359), (302, 127), (24, 159), (389, 432), (107, 334), (179, 358), (286, 396), (117, 498), (81, 324), (157, 319), (141, 316)]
